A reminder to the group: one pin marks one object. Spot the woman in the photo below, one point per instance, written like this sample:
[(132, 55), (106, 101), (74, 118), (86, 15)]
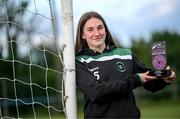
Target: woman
[(106, 74)]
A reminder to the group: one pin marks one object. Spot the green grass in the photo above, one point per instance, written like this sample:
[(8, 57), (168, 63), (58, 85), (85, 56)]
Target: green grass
[(160, 109), (149, 110), (154, 110)]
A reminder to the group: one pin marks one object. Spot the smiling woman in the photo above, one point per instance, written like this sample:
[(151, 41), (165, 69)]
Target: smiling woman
[(106, 74), (94, 33)]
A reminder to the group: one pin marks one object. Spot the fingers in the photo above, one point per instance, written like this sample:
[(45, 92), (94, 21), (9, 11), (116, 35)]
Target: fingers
[(171, 77), (145, 77), (168, 67), (146, 74), (168, 81)]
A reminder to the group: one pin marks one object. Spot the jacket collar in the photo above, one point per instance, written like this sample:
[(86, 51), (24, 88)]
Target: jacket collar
[(90, 52)]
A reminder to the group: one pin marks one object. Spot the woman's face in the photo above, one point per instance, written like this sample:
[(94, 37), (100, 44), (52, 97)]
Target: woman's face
[(95, 34)]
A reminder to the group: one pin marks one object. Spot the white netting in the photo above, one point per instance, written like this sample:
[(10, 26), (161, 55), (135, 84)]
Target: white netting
[(31, 68)]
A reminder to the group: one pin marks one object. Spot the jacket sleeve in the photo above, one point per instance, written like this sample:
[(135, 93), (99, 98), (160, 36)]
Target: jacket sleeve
[(99, 90), (153, 85)]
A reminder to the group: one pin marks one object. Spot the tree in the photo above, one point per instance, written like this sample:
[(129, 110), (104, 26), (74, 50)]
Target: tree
[(11, 27), (142, 49)]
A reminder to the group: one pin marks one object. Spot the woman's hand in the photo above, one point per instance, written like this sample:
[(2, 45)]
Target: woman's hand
[(171, 77), (145, 77)]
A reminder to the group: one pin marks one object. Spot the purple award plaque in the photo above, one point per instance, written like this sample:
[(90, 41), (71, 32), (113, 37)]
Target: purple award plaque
[(159, 59), (159, 62)]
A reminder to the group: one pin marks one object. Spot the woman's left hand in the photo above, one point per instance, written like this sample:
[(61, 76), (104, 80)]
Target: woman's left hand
[(171, 77)]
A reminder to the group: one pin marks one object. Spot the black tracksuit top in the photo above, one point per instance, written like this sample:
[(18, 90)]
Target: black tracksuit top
[(107, 81)]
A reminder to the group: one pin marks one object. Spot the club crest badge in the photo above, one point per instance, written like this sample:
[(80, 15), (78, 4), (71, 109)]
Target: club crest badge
[(120, 66)]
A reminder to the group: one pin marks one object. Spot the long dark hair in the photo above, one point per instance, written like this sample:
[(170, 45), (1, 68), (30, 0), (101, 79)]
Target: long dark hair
[(80, 43)]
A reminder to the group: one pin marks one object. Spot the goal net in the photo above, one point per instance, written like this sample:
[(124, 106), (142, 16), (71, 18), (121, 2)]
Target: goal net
[(31, 66)]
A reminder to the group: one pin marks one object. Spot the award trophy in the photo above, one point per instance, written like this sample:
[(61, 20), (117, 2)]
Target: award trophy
[(159, 60)]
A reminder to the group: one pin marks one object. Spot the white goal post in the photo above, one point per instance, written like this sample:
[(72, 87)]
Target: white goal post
[(69, 59)]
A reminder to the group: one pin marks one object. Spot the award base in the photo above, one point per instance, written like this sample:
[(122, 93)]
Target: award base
[(160, 73)]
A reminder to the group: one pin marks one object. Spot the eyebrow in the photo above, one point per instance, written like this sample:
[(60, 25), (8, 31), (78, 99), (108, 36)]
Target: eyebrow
[(101, 25)]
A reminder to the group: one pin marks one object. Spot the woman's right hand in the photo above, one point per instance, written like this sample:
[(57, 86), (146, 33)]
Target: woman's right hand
[(145, 77)]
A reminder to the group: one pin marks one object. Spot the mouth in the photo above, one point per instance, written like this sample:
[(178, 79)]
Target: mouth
[(98, 38)]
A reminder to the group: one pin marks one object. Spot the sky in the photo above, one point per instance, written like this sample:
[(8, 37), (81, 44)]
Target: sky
[(129, 19)]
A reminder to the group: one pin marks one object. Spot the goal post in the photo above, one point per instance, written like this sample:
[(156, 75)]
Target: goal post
[(69, 59)]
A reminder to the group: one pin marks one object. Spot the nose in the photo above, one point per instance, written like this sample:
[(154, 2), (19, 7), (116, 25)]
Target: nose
[(96, 32)]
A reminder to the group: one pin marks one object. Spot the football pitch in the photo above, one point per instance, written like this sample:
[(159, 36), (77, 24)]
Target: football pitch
[(154, 110), (160, 110)]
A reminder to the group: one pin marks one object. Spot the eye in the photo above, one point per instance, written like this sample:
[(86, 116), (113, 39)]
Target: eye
[(90, 29), (100, 27)]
